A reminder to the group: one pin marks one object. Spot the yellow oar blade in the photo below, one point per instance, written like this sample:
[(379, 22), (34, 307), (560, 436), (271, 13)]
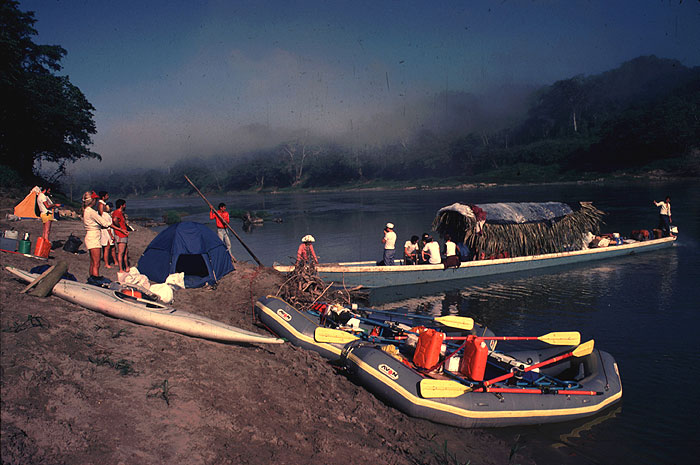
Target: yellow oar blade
[(333, 336), (584, 349), (562, 338), (442, 388), (453, 321)]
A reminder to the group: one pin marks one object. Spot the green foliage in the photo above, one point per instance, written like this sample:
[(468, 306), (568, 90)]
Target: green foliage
[(9, 177), (172, 217), (43, 116)]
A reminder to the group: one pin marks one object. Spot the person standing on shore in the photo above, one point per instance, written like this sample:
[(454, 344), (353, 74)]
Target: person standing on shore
[(121, 232), (94, 223), (389, 241), (221, 228), (46, 207), (664, 215)]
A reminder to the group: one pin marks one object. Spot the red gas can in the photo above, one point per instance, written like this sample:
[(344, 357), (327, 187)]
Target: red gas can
[(473, 364), (427, 353), (42, 247)]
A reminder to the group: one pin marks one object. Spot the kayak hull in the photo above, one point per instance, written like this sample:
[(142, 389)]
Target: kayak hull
[(117, 305)]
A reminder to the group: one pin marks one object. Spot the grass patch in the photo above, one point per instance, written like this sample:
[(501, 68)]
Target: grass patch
[(123, 366), (161, 391), (31, 322)]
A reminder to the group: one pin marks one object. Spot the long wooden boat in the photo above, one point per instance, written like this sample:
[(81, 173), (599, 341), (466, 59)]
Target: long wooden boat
[(368, 274)]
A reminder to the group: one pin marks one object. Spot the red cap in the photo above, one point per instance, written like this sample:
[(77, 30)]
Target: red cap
[(94, 196)]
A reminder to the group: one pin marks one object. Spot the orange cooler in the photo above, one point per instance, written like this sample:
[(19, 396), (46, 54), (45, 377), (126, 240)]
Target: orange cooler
[(473, 364), (42, 248), (427, 353)]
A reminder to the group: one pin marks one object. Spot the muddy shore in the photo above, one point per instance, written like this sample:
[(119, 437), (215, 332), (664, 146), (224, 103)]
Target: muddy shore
[(78, 387)]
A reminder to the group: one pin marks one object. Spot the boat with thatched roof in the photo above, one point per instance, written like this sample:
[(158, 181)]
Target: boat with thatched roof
[(501, 238)]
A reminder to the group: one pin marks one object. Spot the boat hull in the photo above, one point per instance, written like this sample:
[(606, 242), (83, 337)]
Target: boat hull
[(368, 274), (398, 385), (117, 305)]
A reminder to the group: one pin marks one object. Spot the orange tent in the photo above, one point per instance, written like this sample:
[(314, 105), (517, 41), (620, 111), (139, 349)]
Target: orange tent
[(28, 208)]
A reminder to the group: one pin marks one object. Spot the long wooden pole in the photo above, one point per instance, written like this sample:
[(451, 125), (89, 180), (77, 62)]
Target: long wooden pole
[(224, 222)]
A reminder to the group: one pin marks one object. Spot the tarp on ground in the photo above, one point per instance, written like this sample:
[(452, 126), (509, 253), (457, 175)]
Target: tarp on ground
[(28, 207), (517, 229), (186, 247)]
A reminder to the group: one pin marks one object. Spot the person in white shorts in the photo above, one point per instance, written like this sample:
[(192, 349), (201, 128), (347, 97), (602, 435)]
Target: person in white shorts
[(94, 223)]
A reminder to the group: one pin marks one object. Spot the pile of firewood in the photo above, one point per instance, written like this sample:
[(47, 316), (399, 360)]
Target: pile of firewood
[(304, 287)]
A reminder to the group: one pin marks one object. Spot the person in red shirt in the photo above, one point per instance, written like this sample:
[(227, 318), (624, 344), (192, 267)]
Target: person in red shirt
[(121, 232), (306, 252), (221, 229)]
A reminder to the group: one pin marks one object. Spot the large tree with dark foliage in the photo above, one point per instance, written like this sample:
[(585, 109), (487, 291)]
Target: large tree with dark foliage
[(42, 115)]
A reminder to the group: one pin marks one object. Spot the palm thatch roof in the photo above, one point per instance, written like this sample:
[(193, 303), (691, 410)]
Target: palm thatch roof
[(518, 229)]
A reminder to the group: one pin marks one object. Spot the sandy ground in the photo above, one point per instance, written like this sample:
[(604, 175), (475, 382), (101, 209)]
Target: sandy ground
[(78, 387)]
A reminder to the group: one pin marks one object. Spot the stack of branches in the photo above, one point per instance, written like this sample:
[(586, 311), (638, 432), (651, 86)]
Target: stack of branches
[(520, 239), (303, 287)]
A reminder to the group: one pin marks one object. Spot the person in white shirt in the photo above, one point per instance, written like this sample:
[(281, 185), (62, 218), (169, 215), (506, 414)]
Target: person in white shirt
[(451, 257), (389, 241), (431, 252), (46, 207), (665, 215), (410, 251), (94, 223)]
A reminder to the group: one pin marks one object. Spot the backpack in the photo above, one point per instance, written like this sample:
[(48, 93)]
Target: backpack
[(72, 244)]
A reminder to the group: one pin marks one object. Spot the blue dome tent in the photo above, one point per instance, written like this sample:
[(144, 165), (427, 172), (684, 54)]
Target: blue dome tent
[(186, 247)]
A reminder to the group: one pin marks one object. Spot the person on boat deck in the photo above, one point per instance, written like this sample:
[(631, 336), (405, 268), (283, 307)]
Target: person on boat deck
[(421, 245), (46, 207), (305, 252), (431, 252), (94, 223), (451, 257), (665, 215), (410, 251), (221, 229), (389, 241)]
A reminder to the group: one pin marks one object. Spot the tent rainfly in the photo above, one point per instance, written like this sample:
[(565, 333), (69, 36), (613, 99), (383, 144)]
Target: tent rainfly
[(28, 208), (518, 229)]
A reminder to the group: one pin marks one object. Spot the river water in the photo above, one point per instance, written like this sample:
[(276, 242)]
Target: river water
[(643, 308)]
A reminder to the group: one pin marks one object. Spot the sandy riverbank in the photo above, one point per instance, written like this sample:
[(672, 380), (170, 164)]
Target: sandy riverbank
[(179, 399)]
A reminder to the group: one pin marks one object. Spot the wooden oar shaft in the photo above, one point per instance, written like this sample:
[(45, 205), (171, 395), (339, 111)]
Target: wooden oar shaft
[(224, 222)]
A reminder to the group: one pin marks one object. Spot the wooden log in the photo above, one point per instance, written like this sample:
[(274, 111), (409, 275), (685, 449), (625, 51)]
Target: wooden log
[(46, 284), (39, 278)]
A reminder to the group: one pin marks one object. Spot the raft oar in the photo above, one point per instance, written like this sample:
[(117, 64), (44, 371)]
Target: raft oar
[(581, 351), (430, 388), (564, 338), (453, 321), (335, 336), (446, 388)]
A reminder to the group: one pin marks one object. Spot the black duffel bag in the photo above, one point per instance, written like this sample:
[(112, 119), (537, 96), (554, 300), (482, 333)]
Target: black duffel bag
[(72, 244)]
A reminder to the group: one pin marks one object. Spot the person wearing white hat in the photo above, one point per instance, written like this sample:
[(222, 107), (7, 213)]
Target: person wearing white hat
[(389, 241), (306, 252)]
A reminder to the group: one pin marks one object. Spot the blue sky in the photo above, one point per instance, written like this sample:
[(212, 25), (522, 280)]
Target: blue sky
[(171, 79)]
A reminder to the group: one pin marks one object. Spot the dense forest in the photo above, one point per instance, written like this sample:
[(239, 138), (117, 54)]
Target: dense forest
[(642, 117)]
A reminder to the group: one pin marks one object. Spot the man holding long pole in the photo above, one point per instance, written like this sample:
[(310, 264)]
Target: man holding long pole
[(222, 219)]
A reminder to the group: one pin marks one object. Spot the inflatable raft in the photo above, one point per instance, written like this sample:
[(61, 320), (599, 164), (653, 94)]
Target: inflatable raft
[(595, 384), (301, 328)]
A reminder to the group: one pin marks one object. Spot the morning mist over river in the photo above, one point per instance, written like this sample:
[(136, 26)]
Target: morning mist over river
[(642, 308)]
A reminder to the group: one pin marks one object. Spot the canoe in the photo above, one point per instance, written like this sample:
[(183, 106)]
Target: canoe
[(145, 312), (299, 327), (368, 274), (399, 385)]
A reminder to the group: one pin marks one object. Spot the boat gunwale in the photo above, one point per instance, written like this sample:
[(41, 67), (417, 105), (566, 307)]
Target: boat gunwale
[(369, 267)]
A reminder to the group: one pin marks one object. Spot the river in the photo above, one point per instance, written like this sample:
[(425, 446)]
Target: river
[(641, 308)]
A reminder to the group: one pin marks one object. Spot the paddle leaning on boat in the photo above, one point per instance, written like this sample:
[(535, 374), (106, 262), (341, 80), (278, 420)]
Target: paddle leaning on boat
[(502, 238), (446, 369)]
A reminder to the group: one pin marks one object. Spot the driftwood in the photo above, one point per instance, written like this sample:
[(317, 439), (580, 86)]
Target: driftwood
[(45, 283), (303, 287)]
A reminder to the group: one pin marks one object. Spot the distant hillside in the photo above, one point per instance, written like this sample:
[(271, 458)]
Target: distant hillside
[(642, 116)]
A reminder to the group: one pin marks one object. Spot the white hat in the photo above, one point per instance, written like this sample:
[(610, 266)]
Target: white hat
[(390, 225), (308, 238)]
